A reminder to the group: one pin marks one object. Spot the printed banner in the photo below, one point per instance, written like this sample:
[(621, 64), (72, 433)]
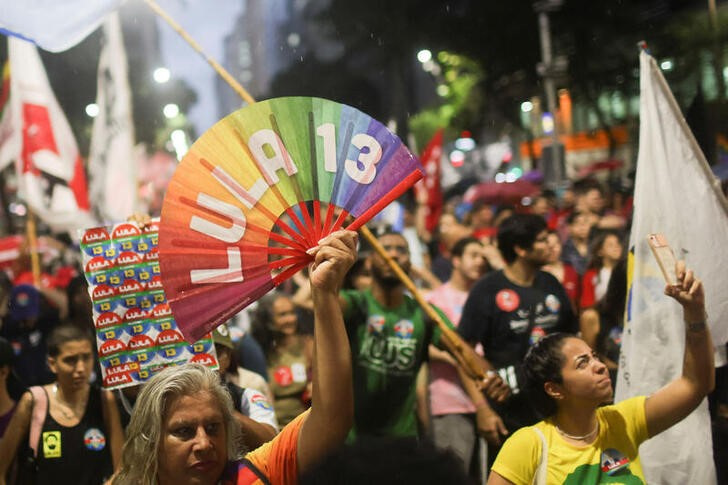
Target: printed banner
[(136, 334), (673, 196)]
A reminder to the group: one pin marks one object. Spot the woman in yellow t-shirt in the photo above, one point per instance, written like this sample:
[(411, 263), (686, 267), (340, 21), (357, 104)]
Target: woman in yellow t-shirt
[(582, 442)]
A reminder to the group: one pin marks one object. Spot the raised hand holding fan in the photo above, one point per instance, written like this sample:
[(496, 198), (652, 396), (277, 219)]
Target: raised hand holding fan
[(261, 187)]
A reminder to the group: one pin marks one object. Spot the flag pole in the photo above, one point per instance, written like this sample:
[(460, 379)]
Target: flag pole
[(715, 183), (31, 231), (462, 352), (215, 65)]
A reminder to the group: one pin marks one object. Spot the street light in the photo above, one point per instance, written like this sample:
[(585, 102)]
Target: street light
[(424, 56), (170, 110), (179, 142), (161, 75), (92, 110), (293, 39)]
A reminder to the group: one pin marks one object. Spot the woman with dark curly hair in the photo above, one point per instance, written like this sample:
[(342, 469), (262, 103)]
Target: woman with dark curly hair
[(288, 354), (584, 442)]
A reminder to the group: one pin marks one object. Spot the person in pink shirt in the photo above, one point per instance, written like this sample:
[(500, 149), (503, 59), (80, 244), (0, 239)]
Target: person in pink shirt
[(453, 411)]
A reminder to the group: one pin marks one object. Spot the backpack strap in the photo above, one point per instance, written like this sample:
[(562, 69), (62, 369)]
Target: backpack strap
[(539, 477), (40, 407)]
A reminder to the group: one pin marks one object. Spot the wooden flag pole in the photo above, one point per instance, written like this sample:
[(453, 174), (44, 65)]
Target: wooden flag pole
[(463, 353), (31, 232), (215, 65)]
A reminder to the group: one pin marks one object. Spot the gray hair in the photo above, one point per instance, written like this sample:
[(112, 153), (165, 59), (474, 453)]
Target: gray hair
[(140, 460)]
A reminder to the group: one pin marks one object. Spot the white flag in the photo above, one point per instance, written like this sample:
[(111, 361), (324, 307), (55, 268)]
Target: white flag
[(673, 196), (10, 135), (53, 24), (112, 159), (51, 178)]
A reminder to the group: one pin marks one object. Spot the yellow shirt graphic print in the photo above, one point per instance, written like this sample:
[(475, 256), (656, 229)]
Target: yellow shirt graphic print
[(51, 444)]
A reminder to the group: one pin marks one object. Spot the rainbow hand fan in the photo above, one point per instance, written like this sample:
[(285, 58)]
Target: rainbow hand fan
[(261, 187)]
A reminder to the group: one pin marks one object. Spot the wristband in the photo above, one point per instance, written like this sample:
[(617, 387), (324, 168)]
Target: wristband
[(696, 326)]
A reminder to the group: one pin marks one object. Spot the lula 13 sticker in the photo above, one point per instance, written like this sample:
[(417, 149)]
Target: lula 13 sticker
[(204, 359), (112, 333), (111, 347), (108, 319), (104, 298), (171, 336)]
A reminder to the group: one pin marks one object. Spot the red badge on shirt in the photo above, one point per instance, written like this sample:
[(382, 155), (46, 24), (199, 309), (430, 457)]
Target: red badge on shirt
[(507, 300), (283, 376)]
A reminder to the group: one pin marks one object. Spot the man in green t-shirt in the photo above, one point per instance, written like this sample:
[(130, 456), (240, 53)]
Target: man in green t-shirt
[(389, 337)]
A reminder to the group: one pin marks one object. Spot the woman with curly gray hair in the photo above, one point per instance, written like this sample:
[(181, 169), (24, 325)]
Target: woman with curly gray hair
[(165, 415), (182, 430)]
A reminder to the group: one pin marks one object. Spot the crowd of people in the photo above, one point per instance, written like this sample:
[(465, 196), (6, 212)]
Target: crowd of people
[(340, 376)]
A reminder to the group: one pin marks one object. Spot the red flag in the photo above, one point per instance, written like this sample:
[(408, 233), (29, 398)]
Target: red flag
[(428, 190), (51, 178), (9, 250)]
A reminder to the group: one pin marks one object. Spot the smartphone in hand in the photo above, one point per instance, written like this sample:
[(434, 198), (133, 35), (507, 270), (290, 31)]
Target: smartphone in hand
[(664, 256)]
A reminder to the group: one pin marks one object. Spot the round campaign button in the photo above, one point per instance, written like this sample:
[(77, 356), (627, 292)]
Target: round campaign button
[(537, 333), (94, 439), (283, 375), (375, 324), (507, 300), (553, 304), (404, 329)]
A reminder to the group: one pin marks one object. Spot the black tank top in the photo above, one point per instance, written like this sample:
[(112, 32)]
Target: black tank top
[(77, 455)]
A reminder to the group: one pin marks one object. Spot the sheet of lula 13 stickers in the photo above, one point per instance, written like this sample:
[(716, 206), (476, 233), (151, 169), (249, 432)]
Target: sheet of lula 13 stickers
[(136, 334)]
